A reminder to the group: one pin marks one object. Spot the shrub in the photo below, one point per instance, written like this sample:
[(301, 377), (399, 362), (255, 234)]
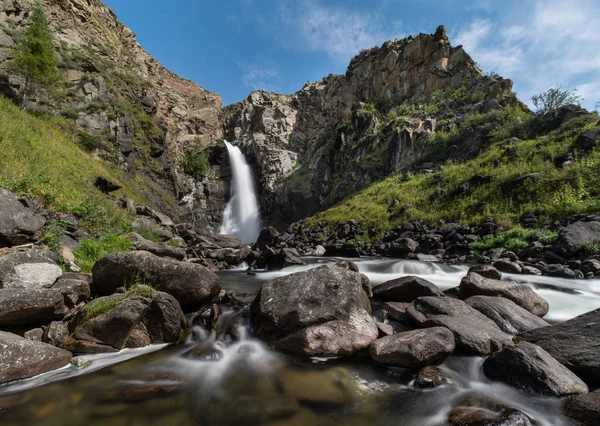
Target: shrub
[(514, 239), (196, 164), (554, 98)]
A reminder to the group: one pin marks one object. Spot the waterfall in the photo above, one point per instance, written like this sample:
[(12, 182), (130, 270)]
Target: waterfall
[(241, 217)]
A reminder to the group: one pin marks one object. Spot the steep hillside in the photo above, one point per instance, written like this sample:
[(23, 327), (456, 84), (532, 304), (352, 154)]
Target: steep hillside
[(337, 135), (116, 100)]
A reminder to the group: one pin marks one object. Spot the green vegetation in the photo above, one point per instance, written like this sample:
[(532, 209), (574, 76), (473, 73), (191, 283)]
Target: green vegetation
[(51, 235), (559, 192), (591, 249), (103, 305), (91, 250), (514, 239), (196, 162), (34, 55), (554, 98)]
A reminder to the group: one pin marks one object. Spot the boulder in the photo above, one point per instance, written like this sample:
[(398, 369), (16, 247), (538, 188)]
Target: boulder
[(505, 265), (584, 409), (283, 258), (403, 246), (530, 368), (74, 287), (9, 262), (323, 311), (160, 250), (574, 343), (405, 289), (486, 271), (18, 224), (431, 377), (471, 410), (22, 358), (33, 275), (572, 239), (191, 284), (56, 334), (521, 294), (473, 331), (30, 306), (414, 349), (510, 317), (588, 140), (517, 182), (134, 319)]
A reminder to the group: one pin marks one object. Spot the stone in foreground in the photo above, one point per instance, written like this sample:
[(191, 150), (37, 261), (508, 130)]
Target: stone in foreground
[(507, 315), (191, 284), (530, 368), (320, 312), (22, 358), (585, 409), (574, 343), (473, 331), (30, 306), (476, 285), (414, 349), (405, 289)]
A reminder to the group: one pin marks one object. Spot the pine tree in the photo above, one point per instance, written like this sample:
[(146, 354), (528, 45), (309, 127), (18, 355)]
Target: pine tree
[(34, 55)]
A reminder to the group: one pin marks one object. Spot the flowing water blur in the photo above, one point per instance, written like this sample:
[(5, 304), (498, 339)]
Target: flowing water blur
[(227, 377)]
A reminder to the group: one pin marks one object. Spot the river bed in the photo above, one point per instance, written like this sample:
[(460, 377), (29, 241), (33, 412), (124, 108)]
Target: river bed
[(237, 380)]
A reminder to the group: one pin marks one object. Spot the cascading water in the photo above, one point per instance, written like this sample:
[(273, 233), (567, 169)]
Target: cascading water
[(241, 217)]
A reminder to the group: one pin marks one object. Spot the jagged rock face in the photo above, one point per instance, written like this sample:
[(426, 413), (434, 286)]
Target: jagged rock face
[(141, 115), (311, 148)]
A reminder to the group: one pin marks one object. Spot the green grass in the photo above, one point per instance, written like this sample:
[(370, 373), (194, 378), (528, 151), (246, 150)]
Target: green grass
[(591, 249), (514, 239), (92, 250), (101, 306), (559, 192)]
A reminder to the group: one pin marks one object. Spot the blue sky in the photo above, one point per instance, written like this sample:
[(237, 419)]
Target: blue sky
[(235, 46)]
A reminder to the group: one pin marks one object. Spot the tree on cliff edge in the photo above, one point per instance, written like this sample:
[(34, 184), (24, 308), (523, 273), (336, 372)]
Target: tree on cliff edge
[(34, 56)]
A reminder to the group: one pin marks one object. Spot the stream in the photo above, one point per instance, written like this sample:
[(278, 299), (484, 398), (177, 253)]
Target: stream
[(230, 378)]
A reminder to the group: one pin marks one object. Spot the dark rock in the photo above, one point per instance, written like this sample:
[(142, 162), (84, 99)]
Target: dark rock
[(75, 288), (160, 250), (588, 140), (191, 284), (283, 258), (486, 271), (18, 224), (403, 246), (431, 377), (507, 315), (405, 289), (479, 411), (164, 320), (22, 358), (574, 343), (228, 241), (105, 185), (521, 294), (268, 237), (473, 331), (30, 306), (584, 409), (56, 334), (384, 329), (504, 265), (414, 349), (396, 310), (515, 183), (559, 271), (320, 312), (530, 368), (572, 239), (36, 334), (530, 270)]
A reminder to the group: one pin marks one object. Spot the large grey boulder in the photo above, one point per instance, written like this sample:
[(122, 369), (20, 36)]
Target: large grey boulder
[(574, 343), (191, 284), (134, 319), (18, 224), (33, 275), (507, 315), (30, 306), (584, 409), (74, 287), (323, 311), (22, 358), (11, 261), (405, 289), (572, 239), (476, 285), (473, 331), (414, 349), (530, 368), (161, 250)]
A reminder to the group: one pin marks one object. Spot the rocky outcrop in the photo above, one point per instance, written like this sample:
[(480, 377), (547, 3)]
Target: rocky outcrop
[(191, 284), (530, 368), (18, 223), (127, 107), (320, 312), (301, 145), (21, 358)]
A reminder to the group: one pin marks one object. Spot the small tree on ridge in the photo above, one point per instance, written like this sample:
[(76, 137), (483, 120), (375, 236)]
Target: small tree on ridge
[(554, 98)]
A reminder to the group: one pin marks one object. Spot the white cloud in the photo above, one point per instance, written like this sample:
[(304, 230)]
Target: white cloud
[(341, 33), (549, 42), (262, 75)]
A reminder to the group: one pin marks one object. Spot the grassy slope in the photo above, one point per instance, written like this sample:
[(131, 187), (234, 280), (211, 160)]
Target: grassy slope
[(561, 192)]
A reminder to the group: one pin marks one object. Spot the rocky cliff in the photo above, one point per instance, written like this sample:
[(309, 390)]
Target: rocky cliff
[(335, 136), (120, 103)]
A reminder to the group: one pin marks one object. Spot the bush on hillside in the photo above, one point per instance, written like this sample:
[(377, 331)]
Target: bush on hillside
[(555, 98)]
